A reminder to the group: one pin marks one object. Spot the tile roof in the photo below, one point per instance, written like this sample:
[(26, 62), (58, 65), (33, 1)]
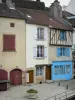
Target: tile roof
[(10, 13), (67, 14), (39, 17), (43, 18)]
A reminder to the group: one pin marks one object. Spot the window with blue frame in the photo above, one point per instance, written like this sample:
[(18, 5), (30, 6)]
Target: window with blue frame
[(63, 52), (67, 69), (62, 35), (61, 69), (56, 70), (39, 71)]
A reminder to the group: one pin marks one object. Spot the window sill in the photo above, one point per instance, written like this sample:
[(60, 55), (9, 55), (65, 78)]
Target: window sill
[(64, 56), (9, 51), (40, 39), (40, 57), (63, 40)]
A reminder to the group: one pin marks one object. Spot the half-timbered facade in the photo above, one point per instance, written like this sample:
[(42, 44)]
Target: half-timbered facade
[(61, 38)]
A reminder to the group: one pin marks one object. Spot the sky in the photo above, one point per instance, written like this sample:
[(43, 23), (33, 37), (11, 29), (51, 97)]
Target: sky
[(62, 2)]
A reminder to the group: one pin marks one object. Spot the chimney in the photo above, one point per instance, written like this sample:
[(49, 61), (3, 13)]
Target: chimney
[(56, 10), (10, 4), (38, 0), (0, 1), (3, 1)]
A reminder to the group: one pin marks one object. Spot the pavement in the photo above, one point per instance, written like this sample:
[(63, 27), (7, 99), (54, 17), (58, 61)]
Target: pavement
[(44, 91)]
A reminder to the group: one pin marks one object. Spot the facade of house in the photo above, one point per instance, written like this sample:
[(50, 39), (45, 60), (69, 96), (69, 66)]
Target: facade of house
[(12, 44), (37, 44)]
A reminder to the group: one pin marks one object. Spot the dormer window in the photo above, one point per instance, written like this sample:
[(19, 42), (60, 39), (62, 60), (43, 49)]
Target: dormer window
[(62, 35)]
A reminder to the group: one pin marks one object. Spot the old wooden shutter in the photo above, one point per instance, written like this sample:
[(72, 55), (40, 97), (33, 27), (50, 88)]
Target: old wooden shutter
[(8, 42)]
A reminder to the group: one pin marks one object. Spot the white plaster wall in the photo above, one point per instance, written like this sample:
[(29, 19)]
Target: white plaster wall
[(31, 42), (9, 60)]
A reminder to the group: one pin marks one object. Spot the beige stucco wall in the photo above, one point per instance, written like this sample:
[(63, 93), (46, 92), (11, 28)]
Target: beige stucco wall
[(11, 60)]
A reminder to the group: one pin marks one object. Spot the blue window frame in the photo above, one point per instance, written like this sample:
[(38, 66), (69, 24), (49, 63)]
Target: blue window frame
[(63, 52), (56, 70), (62, 69), (62, 35)]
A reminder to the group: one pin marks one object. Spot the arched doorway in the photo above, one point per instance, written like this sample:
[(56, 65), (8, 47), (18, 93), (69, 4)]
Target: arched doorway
[(16, 77), (3, 75)]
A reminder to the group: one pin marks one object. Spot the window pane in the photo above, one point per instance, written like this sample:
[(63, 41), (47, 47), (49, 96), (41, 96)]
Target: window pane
[(64, 51), (67, 69), (40, 33), (56, 70), (41, 70), (37, 71), (40, 51)]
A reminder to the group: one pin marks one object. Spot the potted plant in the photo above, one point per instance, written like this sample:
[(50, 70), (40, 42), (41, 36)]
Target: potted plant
[(32, 93)]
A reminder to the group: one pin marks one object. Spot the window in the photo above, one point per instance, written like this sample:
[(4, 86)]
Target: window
[(40, 33), (56, 70), (67, 69), (39, 71), (12, 24), (63, 52), (40, 51), (8, 42), (59, 69), (62, 69), (62, 35)]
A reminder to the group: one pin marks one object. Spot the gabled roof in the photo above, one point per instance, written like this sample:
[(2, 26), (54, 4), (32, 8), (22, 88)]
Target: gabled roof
[(67, 14), (70, 17), (43, 18), (33, 16)]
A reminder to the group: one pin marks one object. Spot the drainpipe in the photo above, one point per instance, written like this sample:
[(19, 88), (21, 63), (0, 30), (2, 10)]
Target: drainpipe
[(25, 56)]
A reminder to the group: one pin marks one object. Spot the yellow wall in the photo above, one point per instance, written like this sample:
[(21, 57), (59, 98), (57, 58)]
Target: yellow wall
[(9, 60)]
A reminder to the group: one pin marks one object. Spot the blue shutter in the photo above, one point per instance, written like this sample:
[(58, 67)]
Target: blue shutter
[(61, 35), (68, 51), (58, 52), (35, 52), (64, 35)]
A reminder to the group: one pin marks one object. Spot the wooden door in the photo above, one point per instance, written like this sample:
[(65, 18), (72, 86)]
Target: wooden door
[(48, 73), (16, 77), (31, 76), (3, 75)]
